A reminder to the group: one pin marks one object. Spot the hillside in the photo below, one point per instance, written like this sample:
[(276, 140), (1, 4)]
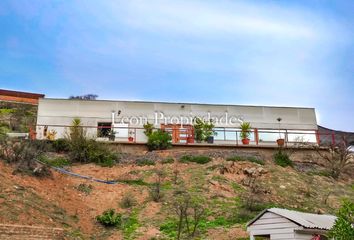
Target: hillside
[(232, 192)]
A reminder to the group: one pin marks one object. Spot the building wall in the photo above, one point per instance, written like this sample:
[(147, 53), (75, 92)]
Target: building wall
[(303, 236), (62, 111), (276, 226)]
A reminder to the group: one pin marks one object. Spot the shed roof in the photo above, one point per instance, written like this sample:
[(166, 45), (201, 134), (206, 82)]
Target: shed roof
[(306, 220)]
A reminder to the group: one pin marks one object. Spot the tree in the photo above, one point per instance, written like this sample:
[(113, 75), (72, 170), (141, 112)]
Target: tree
[(85, 97), (343, 228), (338, 158)]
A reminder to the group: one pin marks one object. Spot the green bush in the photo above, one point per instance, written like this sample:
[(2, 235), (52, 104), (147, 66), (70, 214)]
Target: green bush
[(168, 160), (282, 159), (57, 162), (343, 227), (110, 218), (61, 145), (200, 159), (144, 162), (249, 159), (159, 140), (88, 150)]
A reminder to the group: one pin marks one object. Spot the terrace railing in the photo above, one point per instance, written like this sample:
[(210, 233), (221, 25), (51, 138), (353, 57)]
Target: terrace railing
[(223, 135)]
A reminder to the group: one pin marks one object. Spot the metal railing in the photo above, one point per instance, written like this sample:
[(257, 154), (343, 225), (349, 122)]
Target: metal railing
[(223, 135)]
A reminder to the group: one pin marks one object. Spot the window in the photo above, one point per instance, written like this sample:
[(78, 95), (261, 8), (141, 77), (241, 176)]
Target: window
[(103, 129)]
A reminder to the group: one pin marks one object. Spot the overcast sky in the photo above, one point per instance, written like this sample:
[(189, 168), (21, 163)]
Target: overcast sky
[(282, 53)]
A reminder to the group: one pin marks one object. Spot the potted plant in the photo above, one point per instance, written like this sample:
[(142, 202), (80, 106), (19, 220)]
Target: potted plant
[(131, 134), (112, 135), (280, 140), (208, 132), (198, 129), (245, 132)]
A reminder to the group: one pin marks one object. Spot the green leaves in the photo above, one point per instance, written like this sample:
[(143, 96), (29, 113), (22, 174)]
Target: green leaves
[(159, 140), (343, 228), (110, 218)]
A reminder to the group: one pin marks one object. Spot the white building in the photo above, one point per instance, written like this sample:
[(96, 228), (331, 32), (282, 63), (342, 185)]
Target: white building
[(277, 223), (127, 119)]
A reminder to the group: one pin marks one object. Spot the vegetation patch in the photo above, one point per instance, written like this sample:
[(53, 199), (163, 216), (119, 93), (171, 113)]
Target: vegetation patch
[(168, 160), (110, 218), (56, 162), (282, 159), (85, 188), (61, 145), (130, 225), (128, 201), (144, 162), (200, 159), (139, 182), (157, 138)]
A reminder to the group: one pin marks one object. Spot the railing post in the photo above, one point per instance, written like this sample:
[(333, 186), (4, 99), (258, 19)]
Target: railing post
[(318, 137), (286, 137), (236, 138), (256, 135), (134, 135)]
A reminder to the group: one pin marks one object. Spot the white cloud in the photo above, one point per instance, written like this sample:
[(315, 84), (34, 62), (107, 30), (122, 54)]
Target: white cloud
[(208, 19)]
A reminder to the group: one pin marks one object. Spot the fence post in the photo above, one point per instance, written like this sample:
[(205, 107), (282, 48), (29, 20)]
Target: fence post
[(318, 137)]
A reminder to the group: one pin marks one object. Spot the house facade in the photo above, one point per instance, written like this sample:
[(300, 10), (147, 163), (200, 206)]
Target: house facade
[(127, 118)]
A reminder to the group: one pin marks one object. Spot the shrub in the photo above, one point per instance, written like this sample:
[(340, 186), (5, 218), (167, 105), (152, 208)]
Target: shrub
[(168, 160), (128, 201), (85, 188), (249, 159), (343, 227), (149, 127), (56, 162), (155, 190), (159, 140), (61, 145), (282, 159), (102, 156), (144, 162), (200, 159), (110, 218), (24, 153), (88, 150)]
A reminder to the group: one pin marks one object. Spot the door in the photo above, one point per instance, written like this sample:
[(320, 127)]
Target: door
[(179, 133)]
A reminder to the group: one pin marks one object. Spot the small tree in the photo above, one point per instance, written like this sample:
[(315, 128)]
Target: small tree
[(190, 210), (343, 228), (155, 190), (337, 157)]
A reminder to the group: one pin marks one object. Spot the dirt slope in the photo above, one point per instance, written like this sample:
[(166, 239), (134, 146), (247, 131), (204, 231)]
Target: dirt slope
[(56, 202)]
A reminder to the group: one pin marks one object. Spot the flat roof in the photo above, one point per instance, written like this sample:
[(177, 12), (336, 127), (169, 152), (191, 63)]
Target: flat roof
[(20, 94), (181, 103)]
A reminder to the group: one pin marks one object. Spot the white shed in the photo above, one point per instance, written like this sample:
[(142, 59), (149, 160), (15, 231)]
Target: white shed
[(277, 223)]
